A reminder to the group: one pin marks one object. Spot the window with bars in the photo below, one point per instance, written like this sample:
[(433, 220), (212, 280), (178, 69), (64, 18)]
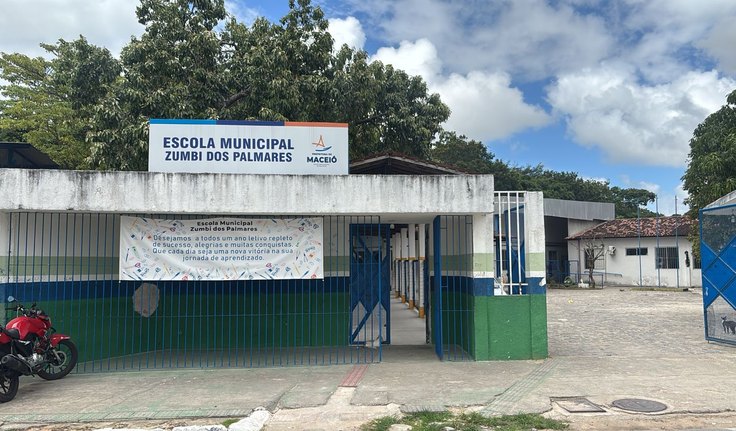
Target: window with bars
[(667, 258), (594, 258)]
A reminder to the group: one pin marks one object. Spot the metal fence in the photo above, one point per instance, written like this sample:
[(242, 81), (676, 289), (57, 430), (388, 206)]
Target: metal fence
[(451, 296), (68, 264), (718, 258), (509, 241)]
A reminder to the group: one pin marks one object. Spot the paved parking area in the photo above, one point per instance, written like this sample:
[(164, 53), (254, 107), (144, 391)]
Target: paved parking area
[(604, 345), (626, 322)]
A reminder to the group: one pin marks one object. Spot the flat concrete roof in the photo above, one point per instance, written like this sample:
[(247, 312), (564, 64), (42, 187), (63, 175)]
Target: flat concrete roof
[(579, 210), (183, 193)]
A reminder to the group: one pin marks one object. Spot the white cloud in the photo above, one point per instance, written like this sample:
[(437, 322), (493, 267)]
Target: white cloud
[(527, 38), (415, 58), (484, 106), (107, 23), (635, 123), (652, 187), (347, 31), (720, 44), (660, 36), (241, 12), (533, 39)]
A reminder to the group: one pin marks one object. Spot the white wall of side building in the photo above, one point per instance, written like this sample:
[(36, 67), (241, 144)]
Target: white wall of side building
[(620, 269)]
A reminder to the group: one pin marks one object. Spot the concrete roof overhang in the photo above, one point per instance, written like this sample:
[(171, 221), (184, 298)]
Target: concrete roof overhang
[(396, 198)]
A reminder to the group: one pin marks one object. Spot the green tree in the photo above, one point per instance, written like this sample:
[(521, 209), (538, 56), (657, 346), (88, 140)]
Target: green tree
[(295, 75), (711, 166), (48, 103), (184, 67), (172, 71), (473, 157), (630, 203)]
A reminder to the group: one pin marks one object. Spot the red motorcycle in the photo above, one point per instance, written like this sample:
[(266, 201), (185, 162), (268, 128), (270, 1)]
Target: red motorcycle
[(30, 346)]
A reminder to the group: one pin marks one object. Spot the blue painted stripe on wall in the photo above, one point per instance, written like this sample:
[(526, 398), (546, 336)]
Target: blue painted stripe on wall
[(179, 121), (249, 123), (70, 290), (483, 286), (534, 286)]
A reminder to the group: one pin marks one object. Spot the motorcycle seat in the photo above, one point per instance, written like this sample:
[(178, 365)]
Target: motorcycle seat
[(13, 333)]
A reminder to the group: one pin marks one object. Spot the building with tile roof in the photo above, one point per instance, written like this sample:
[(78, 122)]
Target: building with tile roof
[(639, 252)]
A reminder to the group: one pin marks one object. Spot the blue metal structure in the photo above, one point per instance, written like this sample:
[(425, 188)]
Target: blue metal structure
[(68, 264), (451, 302), (435, 309), (370, 284), (508, 230), (718, 257)]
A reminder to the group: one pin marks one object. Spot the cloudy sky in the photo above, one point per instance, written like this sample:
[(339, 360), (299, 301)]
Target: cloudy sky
[(609, 89)]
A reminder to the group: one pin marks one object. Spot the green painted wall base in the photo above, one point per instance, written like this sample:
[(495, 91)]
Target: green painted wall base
[(510, 327)]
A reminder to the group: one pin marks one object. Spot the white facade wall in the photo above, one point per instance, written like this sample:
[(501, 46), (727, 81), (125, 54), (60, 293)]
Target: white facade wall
[(147, 192), (621, 269)]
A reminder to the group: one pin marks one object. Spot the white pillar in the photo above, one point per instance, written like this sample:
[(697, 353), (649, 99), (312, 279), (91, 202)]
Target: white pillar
[(399, 265), (534, 232), (422, 263), (404, 261), (412, 242)]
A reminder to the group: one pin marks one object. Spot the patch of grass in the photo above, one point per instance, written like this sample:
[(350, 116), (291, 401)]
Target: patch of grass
[(436, 421), (426, 417), (380, 424), (518, 422), (227, 422)]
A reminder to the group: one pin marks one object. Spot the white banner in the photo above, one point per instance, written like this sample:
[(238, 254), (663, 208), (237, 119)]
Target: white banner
[(247, 147), (220, 249)]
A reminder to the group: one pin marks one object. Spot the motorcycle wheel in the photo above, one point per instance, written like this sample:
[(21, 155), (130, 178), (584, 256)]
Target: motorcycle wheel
[(56, 369), (8, 387)]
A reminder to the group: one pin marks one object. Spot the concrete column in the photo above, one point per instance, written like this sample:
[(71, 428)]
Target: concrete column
[(422, 263), (404, 261), (412, 243), (483, 259), (399, 269), (394, 261), (4, 249), (534, 236)]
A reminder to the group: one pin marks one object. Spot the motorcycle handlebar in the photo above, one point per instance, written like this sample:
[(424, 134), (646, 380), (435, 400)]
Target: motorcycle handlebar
[(30, 312)]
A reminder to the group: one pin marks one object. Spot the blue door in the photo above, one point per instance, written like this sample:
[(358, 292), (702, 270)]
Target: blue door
[(718, 257), (435, 310), (370, 284)]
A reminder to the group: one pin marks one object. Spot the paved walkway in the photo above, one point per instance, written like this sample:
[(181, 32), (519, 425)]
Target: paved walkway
[(604, 345)]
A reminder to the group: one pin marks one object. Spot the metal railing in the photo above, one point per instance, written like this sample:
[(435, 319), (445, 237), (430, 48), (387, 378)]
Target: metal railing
[(68, 263)]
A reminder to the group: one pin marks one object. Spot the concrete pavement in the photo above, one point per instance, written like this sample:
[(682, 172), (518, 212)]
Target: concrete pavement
[(604, 345)]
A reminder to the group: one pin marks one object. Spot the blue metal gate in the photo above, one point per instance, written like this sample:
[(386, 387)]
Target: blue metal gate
[(451, 302), (369, 286), (718, 257), (68, 263)]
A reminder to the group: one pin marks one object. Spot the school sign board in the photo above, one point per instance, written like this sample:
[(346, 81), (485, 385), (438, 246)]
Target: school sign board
[(221, 249), (247, 147)]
